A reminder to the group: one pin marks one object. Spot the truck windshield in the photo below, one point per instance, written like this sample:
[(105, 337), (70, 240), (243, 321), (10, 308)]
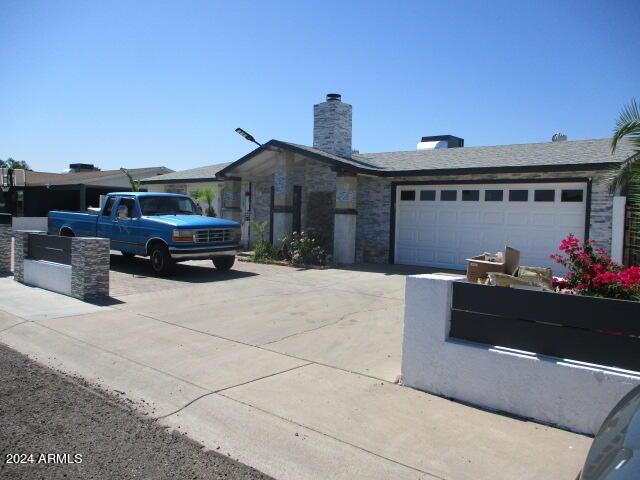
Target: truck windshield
[(167, 206)]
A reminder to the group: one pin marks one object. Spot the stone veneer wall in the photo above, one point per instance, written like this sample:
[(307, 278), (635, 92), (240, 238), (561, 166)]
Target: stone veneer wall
[(260, 202), (374, 208), (5, 247), (332, 127), (20, 248), (90, 261), (314, 177)]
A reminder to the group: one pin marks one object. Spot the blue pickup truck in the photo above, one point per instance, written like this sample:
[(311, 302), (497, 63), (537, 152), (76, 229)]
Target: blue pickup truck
[(166, 227)]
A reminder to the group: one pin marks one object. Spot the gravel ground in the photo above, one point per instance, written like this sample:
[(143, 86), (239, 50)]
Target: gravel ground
[(45, 412)]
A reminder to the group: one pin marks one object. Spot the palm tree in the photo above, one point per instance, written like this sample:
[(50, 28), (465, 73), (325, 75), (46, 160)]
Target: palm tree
[(206, 195), (628, 173), (135, 184)]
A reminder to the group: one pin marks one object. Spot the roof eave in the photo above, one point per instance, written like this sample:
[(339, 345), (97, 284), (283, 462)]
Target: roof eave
[(301, 151), (148, 181)]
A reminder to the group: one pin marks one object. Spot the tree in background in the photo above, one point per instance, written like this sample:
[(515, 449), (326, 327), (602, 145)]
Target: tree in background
[(627, 175), (14, 164), (135, 184), (205, 195)]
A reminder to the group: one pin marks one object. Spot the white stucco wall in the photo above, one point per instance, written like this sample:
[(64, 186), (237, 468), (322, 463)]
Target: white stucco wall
[(570, 394), (617, 228), (50, 276)]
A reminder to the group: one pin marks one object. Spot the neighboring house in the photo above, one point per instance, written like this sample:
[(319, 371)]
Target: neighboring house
[(435, 206), (186, 181), (76, 190)]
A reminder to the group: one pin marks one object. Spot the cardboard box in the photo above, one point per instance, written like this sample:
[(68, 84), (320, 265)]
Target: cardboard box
[(478, 267)]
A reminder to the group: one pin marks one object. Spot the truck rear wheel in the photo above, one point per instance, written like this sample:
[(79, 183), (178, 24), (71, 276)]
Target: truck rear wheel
[(160, 259), (224, 263)]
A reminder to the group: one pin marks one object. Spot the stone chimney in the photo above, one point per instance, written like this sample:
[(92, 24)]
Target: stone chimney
[(332, 126)]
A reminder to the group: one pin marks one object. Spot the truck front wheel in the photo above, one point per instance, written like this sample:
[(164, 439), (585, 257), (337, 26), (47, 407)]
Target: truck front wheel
[(161, 260), (224, 263)]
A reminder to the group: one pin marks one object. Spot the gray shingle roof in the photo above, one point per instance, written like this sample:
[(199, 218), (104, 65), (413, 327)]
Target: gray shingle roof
[(578, 152), (88, 177), (551, 155), (194, 174)]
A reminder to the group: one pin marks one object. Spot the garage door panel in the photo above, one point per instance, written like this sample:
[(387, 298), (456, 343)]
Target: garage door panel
[(406, 217), (470, 239), (569, 221), (446, 237), (444, 234), (493, 218), (407, 236), (427, 217), (446, 257), (447, 217), (427, 236), (470, 218), (543, 219), (517, 218)]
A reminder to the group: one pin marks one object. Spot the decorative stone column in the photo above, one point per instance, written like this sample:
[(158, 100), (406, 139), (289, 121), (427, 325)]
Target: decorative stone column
[(20, 251), (282, 198), (231, 208), (5, 243), (90, 262), (344, 231)]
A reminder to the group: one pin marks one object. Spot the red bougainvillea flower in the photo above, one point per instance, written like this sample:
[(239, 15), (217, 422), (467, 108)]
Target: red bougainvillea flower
[(591, 271)]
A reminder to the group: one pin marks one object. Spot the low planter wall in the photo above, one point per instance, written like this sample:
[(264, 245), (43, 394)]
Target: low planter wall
[(501, 358), (78, 267)]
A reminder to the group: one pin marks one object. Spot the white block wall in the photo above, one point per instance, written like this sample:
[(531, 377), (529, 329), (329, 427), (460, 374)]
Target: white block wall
[(569, 394)]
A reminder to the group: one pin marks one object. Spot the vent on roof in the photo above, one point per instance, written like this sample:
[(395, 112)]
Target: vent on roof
[(440, 141), (82, 167), (559, 137)]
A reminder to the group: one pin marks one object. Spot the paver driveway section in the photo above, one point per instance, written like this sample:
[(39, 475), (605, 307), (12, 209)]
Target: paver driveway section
[(290, 371)]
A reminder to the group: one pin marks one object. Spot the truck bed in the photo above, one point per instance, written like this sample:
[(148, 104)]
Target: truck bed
[(83, 224)]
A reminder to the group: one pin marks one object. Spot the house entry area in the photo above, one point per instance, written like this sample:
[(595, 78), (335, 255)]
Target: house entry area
[(441, 225)]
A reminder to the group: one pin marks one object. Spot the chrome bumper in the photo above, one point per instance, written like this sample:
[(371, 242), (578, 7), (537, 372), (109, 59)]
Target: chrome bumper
[(200, 253)]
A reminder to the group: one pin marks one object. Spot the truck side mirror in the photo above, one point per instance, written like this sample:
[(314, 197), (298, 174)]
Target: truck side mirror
[(199, 209)]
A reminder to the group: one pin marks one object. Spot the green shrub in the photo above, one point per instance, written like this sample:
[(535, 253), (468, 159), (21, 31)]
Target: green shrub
[(265, 252)]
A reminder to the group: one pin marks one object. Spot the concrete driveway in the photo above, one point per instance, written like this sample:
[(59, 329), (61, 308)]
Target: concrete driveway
[(290, 371)]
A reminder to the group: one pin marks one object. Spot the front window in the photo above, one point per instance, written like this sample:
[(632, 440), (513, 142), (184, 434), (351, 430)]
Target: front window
[(162, 205)]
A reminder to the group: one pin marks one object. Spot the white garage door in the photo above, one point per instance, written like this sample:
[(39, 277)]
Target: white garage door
[(442, 225)]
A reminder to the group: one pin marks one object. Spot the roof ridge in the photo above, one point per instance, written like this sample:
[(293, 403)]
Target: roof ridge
[(487, 146)]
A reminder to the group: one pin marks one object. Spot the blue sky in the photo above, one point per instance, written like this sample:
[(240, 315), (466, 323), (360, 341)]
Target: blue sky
[(149, 83)]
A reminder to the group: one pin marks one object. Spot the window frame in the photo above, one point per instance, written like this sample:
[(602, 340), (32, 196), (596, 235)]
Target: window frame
[(545, 191), (434, 192), (562, 200), (518, 190), (447, 191), (470, 190), (412, 192), (111, 199)]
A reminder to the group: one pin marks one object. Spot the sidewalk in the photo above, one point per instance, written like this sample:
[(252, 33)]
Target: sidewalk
[(287, 416)]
